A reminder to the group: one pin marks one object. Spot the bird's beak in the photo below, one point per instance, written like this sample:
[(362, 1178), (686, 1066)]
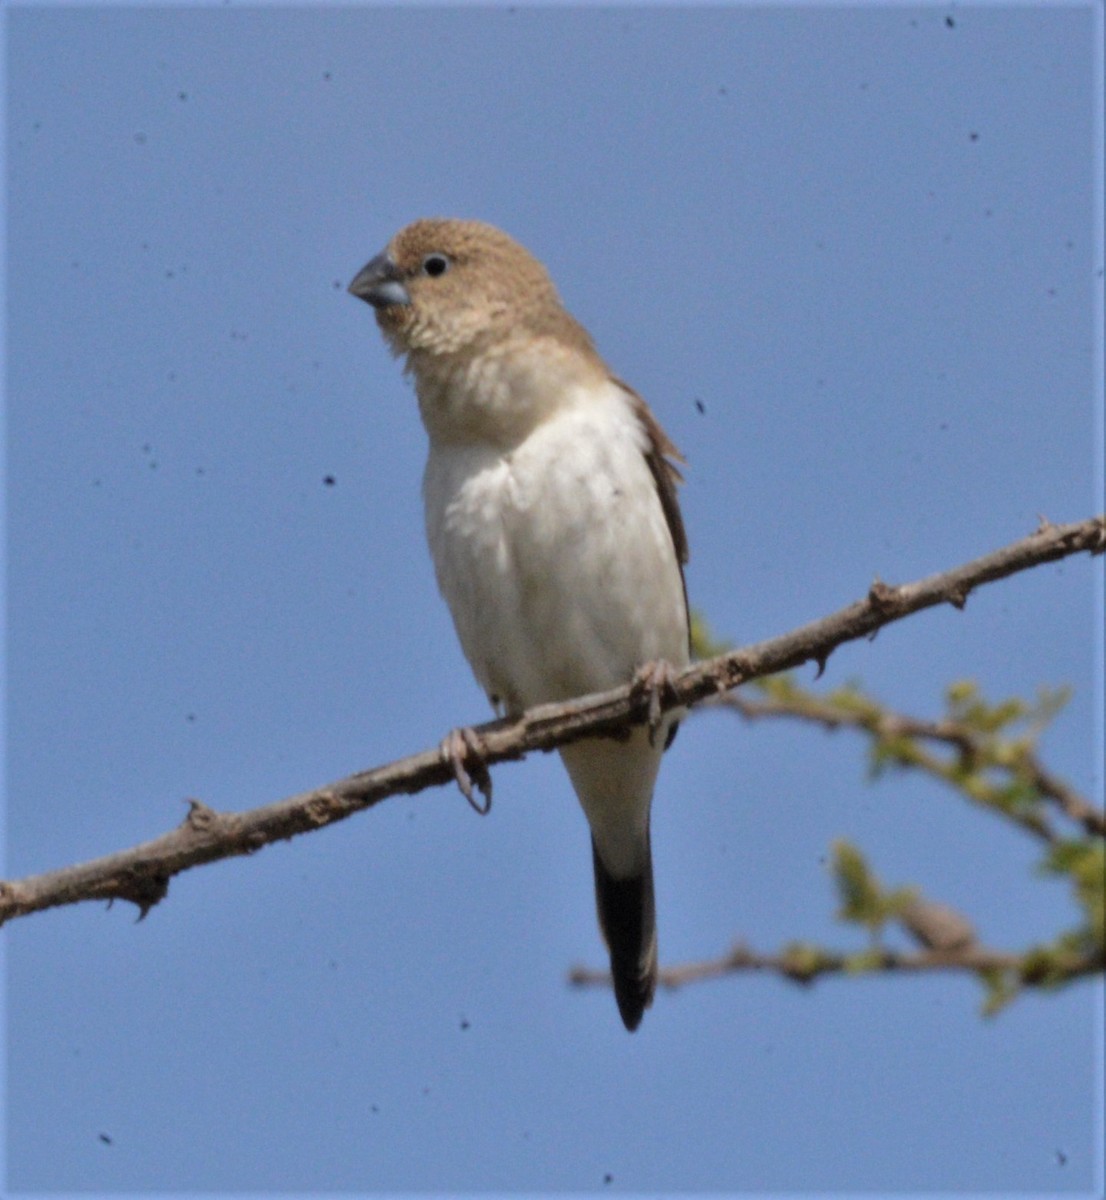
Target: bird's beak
[(378, 283)]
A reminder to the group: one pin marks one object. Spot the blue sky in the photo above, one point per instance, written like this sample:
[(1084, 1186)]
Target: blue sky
[(866, 244)]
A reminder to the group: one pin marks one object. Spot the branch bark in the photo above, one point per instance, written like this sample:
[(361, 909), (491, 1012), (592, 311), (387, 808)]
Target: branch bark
[(142, 873)]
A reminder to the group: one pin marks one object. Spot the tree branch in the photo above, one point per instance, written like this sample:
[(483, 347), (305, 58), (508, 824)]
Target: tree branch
[(805, 964), (967, 742), (142, 873)]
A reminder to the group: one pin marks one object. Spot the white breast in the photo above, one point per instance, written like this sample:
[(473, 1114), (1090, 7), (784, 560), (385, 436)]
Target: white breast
[(555, 557)]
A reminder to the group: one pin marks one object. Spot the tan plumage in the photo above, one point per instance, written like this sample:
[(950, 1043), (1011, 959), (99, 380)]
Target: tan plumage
[(553, 524)]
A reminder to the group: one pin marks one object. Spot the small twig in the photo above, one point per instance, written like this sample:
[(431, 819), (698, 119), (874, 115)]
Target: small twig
[(1073, 805), (954, 733), (809, 964), (142, 873), (966, 741)]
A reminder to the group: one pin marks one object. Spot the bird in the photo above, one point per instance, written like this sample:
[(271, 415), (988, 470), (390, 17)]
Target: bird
[(552, 518)]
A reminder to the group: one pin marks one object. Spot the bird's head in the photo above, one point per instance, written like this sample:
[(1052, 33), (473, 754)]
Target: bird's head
[(492, 350), (445, 287)]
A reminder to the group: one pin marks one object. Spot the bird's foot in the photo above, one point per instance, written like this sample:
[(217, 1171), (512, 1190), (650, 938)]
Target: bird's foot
[(653, 680), (463, 751)]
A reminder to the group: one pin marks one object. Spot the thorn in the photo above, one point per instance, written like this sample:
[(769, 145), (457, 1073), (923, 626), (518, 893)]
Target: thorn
[(820, 661), (739, 955), (143, 889), (882, 595), (199, 815), (457, 746)]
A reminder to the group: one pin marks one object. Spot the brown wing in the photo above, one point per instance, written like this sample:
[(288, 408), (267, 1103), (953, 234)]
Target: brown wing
[(665, 472), (666, 476)]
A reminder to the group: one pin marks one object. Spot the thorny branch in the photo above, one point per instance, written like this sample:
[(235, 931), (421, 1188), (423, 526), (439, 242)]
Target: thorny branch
[(141, 874), (802, 964)]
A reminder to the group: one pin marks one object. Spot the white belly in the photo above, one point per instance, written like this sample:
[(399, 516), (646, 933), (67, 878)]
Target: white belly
[(555, 559)]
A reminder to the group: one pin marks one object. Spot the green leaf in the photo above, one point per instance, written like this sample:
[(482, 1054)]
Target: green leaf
[(861, 895), (803, 961), (864, 961), (1000, 989), (1084, 862), (704, 644)]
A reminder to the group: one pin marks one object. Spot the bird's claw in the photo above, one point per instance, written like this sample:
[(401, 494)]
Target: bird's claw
[(652, 681), (458, 746)]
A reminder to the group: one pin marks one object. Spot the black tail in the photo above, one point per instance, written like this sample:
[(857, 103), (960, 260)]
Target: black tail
[(628, 920)]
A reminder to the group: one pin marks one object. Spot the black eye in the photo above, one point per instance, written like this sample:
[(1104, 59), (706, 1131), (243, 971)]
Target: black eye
[(435, 265)]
